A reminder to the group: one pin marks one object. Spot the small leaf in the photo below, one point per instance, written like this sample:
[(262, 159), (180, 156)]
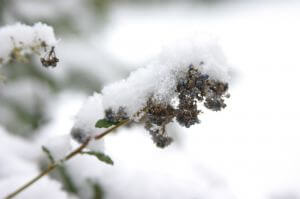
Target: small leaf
[(48, 153), (100, 156), (104, 123), (68, 182), (98, 192)]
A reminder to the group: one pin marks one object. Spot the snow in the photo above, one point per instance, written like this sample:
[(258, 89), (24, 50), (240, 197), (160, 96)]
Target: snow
[(159, 78), (84, 125), (18, 162), (16, 152), (90, 112), (143, 171), (28, 38), (59, 146)]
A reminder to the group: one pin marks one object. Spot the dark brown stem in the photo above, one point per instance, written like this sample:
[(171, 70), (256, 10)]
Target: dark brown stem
[(69, 156)]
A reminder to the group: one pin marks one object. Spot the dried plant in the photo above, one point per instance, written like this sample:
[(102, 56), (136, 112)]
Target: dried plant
[(157, 95), (191, 90)]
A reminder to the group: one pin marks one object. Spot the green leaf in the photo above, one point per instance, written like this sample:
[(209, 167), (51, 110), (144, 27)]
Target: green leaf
[(48, 153), (100, 156), (104, 123), (98, 192), (68, 184), (67, 180)]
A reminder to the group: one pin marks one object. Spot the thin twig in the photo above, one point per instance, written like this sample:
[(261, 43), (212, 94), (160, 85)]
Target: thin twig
[(69, 156), (98, 137)]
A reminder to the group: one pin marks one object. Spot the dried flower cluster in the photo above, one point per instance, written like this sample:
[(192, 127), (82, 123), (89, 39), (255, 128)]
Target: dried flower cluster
[(156, 118), (50, 59), (20, 40), (195, 87)]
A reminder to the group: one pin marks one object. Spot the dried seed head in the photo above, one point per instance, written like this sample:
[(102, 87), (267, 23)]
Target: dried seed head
[(158, 134), (161, 140), (215, 92), (159, 114), (157, 117), (50, 59), (187, 113), (215, 104), (189, 92), (193, 88)]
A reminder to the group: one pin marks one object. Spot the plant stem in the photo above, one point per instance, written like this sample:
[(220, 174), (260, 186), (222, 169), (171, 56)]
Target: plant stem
[(69, 156)]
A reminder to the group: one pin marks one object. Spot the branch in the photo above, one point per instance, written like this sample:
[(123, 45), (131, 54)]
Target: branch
[(69, 156)]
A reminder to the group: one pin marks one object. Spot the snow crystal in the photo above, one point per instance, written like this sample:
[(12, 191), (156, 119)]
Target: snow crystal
[(158, 79), (25, 39)]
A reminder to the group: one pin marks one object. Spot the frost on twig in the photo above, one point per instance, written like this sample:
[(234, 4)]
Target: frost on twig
[(20, 40), (171, 88)]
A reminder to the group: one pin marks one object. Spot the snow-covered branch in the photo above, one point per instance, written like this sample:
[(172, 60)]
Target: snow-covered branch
[(20, 40), (185, 73)]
